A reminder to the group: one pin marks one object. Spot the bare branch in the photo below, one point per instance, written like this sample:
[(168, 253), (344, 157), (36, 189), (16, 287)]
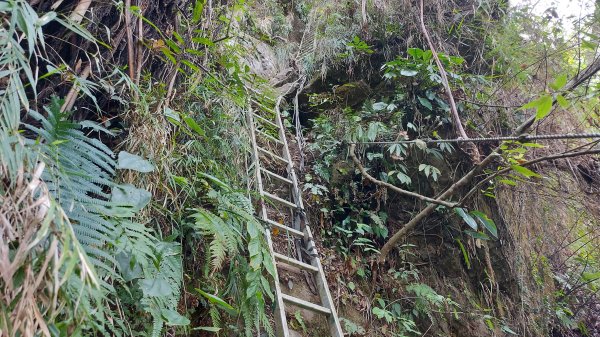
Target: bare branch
[(528, 163), (396, 189)]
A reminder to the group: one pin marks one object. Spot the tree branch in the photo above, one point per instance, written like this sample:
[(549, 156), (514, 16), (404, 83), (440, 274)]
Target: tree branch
[(396, 189), (528, 163), (470, 147)]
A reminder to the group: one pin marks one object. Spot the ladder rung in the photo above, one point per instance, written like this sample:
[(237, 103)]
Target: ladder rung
[(261, 118), (305, 304), (285, 228), (277, 176), (294, 262), (279, 200), (268, 136), (273, 155), (264, 107)]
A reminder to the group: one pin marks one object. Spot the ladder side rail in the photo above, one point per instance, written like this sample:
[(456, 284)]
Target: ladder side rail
[(280, 318), (327, 301), (286, 154)]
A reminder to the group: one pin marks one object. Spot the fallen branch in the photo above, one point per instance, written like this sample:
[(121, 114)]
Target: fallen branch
[(396, 189)]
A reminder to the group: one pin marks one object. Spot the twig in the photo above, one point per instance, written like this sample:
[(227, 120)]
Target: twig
[(72, 95), (392, 187)]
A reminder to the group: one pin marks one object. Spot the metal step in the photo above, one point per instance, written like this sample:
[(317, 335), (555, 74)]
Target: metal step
[(285, 228), (305, 304), (272, 155), (268, 136), (279, 200), (294, 262), (263, 107), (277, 176), (266, 121)]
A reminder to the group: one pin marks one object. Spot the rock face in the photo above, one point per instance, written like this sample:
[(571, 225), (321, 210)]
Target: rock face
[(353, 93)]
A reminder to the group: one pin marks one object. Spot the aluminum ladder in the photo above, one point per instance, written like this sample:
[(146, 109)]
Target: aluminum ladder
[(268, 133)]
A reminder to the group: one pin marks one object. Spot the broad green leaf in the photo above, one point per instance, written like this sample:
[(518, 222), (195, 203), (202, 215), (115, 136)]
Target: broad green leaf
[(134, 199), (45, 19), (562, 101), (559, 83), (379, 106), (172, 317), (134, 162), (466, 217), (544, 107), (587, 277), (155, 287), (486, 222), (425, 102), (372, 132), (172, 116), (421, 144), (525, 171), (408, 72)]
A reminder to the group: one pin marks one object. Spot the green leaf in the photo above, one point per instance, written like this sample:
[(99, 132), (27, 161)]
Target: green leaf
[(198, 9), (131, 198), (408, 72), (155, 287), (466, 217), (587, 277), (562, 101), (544, 107), (217, 301), (426, 103), (50, 16), (559, 83), (525, 171), (507, 182), (191, 123), (207, 328), (486, 222), (134, 162), (465, 253), (172, 317)]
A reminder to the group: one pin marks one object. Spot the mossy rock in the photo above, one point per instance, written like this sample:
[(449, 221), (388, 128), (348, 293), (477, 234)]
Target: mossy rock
[(353, 93)]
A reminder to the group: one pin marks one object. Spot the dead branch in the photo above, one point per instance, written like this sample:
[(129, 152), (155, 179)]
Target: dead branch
[(396, 189), (130, 53), (392, 187), (470, 147)]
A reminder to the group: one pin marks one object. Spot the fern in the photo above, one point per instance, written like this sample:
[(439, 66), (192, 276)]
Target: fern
[(230, 228), (80, 173)]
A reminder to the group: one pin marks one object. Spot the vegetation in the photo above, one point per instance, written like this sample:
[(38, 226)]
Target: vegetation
[(126, 208)]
